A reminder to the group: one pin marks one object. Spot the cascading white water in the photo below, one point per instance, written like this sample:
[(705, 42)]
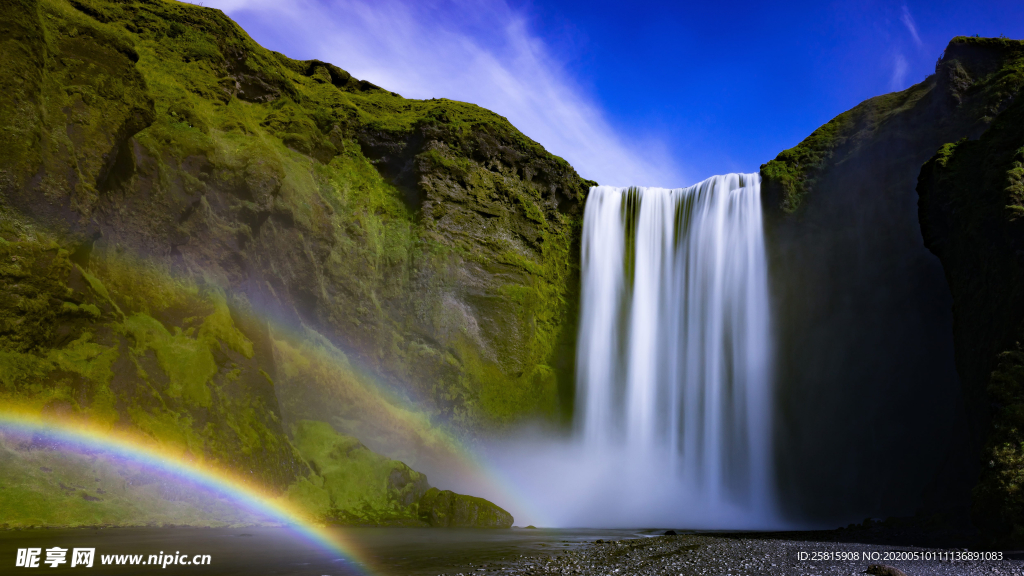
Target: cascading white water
[(673, 353), (673, 403)]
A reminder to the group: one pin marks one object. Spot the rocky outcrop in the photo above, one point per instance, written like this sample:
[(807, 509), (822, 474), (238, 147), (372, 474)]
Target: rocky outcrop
[(446, 509), (866, 371), (971, 203), (352, 485)]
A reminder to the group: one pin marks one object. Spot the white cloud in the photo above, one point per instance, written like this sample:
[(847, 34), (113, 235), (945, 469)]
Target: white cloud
[(474, 51), (908, 21), (900, 66)]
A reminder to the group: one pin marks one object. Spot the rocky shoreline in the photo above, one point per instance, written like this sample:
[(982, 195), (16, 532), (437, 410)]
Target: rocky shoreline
[(754, 554)]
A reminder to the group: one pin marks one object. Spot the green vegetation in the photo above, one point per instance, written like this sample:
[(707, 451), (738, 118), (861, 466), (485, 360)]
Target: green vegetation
[(966, 102), (167, 186), (171, 360), (970, 206), (444, 508), (795, 171), (40, 487), (1000, 495), (168, 358), (351, 484)]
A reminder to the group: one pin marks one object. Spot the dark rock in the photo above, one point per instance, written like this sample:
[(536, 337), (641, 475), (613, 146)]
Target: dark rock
[(670, 533), (882, 570), (859, 302), (446, 509), (971, 198)]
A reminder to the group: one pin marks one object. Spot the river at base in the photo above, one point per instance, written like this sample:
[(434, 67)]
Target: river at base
[(279, 551)]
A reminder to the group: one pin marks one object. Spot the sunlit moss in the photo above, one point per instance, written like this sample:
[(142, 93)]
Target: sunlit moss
[(168, 124), (352, 484)]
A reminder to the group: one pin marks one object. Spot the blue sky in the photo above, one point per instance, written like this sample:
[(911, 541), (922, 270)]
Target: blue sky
[(642, 92)]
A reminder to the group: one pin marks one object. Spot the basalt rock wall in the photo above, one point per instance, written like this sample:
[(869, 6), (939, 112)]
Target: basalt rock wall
[(873, 419), (971, 205)]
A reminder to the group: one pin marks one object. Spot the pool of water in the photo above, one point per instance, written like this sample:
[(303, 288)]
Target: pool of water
[(281, 551)]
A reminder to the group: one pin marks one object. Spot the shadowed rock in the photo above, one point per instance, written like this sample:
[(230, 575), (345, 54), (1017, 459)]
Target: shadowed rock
[(881, 570), (444, 508)]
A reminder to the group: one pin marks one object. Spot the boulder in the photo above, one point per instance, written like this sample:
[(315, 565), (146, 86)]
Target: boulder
[(444, 508)]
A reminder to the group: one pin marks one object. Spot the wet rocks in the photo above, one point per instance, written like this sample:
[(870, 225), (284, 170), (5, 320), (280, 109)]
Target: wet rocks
[(882, 570), (739, 555)]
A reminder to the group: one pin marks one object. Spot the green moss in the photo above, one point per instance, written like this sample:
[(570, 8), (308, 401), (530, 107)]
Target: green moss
[(970, 206), (978, 76), (187, 361), (448, 509), (1015, 186), (49, 488), (220, 326), (1000, 494), (795, 171), (168, 383), (352, 484), (170, 428), (16, 368), (164, 123), (98, 287), (316, 379), (292, 130)]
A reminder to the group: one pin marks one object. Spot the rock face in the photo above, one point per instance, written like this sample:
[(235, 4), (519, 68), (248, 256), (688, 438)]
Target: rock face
[(971, 203), (446, 509), (351, 484), (866, 372), (430, 239), (883, 570), (176, 202)]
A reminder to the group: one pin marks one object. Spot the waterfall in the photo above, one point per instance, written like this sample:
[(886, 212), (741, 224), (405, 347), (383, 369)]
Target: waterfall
[(674, 343), (673, 393)]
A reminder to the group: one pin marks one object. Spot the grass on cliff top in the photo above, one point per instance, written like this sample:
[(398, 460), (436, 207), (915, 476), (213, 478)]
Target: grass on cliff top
[(182, 48), (796, 170)]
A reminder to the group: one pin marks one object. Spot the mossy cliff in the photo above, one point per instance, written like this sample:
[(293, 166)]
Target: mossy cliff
[(125, 346), (870, 404), (128, 348), (430, 238), (971, 204), (168, 187)]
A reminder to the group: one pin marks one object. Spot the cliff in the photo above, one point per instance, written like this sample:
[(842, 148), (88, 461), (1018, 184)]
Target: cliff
[(870, 402), (208, 243), (971, 203)]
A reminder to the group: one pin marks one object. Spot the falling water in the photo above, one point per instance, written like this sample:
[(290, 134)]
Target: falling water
[(673, 403), (673, 347)]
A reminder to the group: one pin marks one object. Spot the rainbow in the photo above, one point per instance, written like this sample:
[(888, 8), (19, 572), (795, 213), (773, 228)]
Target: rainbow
[(83, 435)]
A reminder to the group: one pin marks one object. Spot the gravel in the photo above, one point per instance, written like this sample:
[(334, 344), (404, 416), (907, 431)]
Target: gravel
[(707, 555)]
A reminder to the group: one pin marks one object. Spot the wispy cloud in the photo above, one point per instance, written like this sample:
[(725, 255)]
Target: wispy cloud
[(908, 21), (900, 66), (475, 51)]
